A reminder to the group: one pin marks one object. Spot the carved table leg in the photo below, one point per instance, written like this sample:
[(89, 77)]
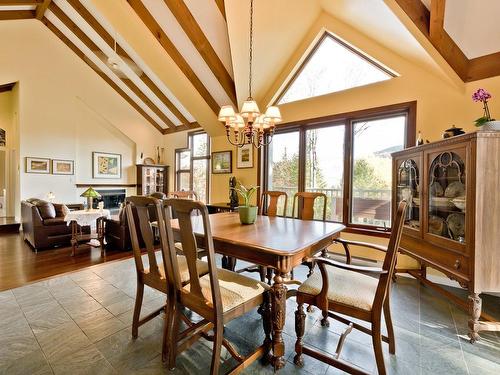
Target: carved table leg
[(278, 308), (100, 235), (475, 306), (228, 263), (74, 234)]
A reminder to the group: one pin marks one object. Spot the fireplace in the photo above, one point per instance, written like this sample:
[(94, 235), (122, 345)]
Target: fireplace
[(111, 198)]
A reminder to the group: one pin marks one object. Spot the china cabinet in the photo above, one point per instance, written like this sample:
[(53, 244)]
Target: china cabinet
[(453, 218), (152, 179)]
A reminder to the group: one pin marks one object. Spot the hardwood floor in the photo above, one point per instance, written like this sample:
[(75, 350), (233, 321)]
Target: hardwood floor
[(20, 265)]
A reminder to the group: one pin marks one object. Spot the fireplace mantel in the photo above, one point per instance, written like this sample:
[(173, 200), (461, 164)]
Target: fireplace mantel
[(106, 185)]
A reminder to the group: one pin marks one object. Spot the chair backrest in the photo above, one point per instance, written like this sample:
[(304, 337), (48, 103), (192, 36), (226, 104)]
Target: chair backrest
[(303, 205), (188, 194), (391, 256), (138, 210), (209, 307), (272, 198)]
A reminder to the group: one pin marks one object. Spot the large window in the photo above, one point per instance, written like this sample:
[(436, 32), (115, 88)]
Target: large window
[(346, 157), (192, 165)]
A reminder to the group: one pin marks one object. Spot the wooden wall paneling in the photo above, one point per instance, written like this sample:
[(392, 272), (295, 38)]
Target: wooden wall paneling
[(93, 47), (172, 51), (40, 9), (99, 29), (108, 80), (188, 23)]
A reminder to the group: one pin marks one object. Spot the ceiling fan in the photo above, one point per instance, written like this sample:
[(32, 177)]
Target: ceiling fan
[(116, 62)]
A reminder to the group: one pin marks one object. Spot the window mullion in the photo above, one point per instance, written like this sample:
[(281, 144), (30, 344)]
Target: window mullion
[(347, 171)]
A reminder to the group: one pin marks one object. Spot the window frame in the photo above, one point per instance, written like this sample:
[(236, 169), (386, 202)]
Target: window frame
[(346, 119), (189, 148)]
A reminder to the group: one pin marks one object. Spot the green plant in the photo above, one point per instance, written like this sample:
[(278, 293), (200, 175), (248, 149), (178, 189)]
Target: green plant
[(246, 193)]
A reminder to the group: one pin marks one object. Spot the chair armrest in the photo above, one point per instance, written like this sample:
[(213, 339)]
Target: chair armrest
[(363, 244), (349, 267)]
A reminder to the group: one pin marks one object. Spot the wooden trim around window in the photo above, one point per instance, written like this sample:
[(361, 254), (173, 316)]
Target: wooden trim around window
[(346, 119)]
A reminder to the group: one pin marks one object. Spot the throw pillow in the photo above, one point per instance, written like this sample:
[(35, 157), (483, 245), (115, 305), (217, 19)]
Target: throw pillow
[(61, 209), (47, 210)]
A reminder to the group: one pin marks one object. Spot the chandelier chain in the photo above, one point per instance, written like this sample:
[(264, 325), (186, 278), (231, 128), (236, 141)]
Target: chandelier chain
[(250, 51)]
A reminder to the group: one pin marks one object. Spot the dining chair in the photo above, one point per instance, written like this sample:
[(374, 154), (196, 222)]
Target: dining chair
[(351, 291), (303, 208), (218, 297), (188, 194), (268, 206), (138, 210)]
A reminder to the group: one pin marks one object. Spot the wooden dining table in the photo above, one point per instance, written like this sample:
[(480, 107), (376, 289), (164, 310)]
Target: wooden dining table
[(274, 242)]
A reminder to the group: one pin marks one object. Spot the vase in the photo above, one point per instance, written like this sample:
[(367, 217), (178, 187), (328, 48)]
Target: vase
[(248, 214), (490, 126)]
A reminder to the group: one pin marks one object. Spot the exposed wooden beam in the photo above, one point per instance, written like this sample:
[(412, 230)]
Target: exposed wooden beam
[(443, 43), (93, 47), (19, 2), (172, 51), (436, 24), (16, 14), (188, 23), (221, 6), (40, 9), (108, 80), (484, 67), (99, 29), (7, 87)]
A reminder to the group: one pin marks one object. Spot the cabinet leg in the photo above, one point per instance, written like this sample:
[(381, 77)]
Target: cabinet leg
[(475, 306)]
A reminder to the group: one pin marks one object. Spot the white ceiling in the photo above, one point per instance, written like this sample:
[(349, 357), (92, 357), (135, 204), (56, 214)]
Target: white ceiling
[(474, 25)]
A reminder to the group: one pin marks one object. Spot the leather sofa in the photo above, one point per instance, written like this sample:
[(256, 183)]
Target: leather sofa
[(117, 235), (43, 223)]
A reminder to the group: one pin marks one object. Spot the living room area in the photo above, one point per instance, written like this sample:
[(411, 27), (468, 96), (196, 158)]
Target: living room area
[(249, 186)]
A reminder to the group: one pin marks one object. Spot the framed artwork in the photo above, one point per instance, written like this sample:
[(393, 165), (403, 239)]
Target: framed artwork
[(222, 162), (244, 156), (37, 165), (63, 166), (2, 137), (106, 165)]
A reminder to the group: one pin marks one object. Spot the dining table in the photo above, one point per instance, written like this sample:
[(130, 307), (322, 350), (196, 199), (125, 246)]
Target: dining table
[(278, 243)]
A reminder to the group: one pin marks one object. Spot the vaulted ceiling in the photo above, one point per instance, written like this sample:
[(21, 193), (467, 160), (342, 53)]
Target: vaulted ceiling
[(177, 61)]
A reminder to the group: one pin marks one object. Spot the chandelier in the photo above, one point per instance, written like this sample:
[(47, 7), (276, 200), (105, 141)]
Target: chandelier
[(249, 126)]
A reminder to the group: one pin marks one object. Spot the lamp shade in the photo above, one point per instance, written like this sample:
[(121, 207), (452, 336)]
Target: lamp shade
[(90, 193), (226, 113), (250, 108), (273, 114), (238, 122), (261, 123)]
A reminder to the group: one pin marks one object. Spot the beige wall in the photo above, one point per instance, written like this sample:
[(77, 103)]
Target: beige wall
[(66, 111)]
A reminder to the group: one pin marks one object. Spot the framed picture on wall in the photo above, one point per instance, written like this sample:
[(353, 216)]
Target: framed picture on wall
[(222, 162), (3, 141), (37, 165), (106, 165), (63, 166), (244, 156)]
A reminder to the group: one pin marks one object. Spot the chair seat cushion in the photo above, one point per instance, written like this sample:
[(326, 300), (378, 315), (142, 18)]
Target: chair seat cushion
[(183, 268), (54, 221), (235, 289), (346, 287)]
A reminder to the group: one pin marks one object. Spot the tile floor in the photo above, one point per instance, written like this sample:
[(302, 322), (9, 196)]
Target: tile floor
[(80, 324)]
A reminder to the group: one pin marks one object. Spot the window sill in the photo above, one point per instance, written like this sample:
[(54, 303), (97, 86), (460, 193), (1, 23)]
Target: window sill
[(367, 232)]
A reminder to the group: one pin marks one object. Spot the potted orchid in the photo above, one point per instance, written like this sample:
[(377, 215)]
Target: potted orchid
[(486, 122), (248, 213)]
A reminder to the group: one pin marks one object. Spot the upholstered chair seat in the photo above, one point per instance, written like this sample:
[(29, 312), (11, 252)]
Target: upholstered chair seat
[(235, 289), (344, 287)]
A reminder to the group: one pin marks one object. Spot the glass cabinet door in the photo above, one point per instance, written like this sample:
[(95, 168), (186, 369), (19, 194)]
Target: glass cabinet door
[(408, 188), (447, 192)]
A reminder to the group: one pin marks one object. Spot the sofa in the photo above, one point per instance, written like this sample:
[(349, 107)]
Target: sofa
[(43, 223), (117, 235)]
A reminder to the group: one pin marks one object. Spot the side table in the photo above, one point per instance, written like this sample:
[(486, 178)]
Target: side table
[(92, 218)]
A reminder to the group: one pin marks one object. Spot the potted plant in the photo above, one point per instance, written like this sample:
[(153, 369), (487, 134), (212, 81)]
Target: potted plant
[(248, 213), (485, 122)]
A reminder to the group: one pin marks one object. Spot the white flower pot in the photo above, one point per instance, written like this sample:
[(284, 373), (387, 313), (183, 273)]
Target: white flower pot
[(491, 126)]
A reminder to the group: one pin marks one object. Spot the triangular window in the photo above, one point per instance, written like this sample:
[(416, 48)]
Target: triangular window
[(332, 66)]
